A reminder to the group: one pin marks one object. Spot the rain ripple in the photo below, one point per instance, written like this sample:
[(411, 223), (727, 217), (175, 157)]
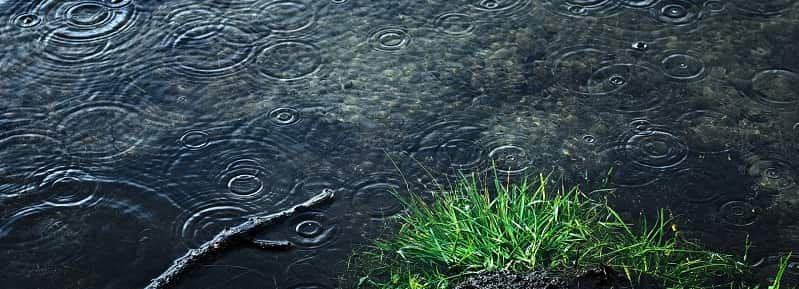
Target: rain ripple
[(683, 66), (777, 88), (375, 196), (19, 116), (503, 8), (288, 60), (707, 131), (286, 18), (54, 242), (25, 152), (739, 213), (448, 146), (102, 130), (656, 148), (389, 38), (455, 24), (771, 171), (614, 80), (312, 230), (229, 178), (764, 8), (695, 185), (180, 101), (210, 50), (508, 154), (74, 36), (584, 8), (676, 12)]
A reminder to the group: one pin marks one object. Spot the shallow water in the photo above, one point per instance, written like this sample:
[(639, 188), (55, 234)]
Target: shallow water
[(131, 130)]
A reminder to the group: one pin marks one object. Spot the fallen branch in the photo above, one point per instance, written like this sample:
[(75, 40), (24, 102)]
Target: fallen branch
[(229, 236)]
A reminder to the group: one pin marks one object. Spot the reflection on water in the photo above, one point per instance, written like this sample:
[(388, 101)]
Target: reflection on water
[(131, 130)]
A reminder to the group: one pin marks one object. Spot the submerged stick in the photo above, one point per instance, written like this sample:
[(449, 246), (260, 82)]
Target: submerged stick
[(231, 235)]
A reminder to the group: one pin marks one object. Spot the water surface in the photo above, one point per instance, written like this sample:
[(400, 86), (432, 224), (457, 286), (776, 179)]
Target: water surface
[(132, 130)]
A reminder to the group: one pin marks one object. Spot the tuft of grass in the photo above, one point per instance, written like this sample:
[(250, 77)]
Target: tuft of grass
[(535, 224)]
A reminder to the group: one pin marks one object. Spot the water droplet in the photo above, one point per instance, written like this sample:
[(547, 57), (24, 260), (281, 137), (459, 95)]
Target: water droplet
[(308, 228), (27, 20), (617, 80), (389, 39), (640, 45), (674, 11), (489, 4), (772, 173), (641, 125), (284, 116), (313, 230), (682, 66)]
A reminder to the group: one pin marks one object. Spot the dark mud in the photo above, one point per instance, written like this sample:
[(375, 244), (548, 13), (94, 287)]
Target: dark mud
[(596, 278)]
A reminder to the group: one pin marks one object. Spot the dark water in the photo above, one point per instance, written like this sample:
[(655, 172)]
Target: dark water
[(131, 130)]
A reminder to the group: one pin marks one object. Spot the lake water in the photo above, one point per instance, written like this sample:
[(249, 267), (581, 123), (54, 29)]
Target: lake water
[(132, 130)]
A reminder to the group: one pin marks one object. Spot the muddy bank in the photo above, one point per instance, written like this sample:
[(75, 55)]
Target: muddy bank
[(597, 278)]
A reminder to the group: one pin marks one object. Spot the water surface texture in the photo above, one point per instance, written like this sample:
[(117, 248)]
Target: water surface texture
[(132, 130)]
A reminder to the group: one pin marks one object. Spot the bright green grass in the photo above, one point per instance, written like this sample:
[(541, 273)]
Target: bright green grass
[(528, 226), (780, 272)]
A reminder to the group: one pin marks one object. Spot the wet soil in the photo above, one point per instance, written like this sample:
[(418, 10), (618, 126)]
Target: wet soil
[(596, 278)]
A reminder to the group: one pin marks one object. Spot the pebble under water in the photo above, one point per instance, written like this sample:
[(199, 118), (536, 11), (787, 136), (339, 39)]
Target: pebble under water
[(132, 130)]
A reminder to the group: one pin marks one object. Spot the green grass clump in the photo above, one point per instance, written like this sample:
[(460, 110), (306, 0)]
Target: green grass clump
[(528, 226)]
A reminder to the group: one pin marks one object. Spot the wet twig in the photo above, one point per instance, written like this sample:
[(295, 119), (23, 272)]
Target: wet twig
[(240, 233)]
